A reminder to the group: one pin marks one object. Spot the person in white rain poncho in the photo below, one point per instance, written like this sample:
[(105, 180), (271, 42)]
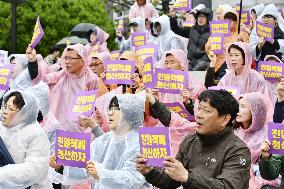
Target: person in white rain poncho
[(260, 47), (167, 39), (26, 143), (113, 154)]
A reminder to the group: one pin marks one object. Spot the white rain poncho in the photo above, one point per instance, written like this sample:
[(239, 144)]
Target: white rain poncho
[(29, 147), (268, 10), (167, 39), (114, 153)]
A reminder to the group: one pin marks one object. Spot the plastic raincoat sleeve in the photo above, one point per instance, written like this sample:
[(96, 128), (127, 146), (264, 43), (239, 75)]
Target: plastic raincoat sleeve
[(25, 174), (253, 42)]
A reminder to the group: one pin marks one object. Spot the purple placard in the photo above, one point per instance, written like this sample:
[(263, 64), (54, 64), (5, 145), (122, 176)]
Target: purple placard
[(6, 72), (138, 39), (217, 45), (276, 137), (38, 34), (72, 148), (220, 27), (238, 7), (171, 81), (120, 24), (83, 103), (270, 70), (179, 109), (183, 5), (148, 50), (245, 17), (187, 24), (3, 57), (155, 144), (148, 73), (265, 30), (115, 54), (119, 72), (235, 91)]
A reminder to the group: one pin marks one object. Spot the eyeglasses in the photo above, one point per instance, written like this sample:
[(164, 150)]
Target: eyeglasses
[(95, 64), (67, 58), (9, 109)]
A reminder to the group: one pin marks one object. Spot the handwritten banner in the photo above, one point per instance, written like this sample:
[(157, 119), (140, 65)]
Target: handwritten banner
[(179, 109), (119, 72), (265, 30), (148, 73), (217, 45), (187, 24), (220, 27), (38, 34), (238, 7), (155, 144), (148, 50), (72, 149), (235, 91), (120, 24), (115, 54), (271, 70), (6, 72), (138, 39), (171, 81), (84, 103), (3, 57), (276, 137), (184, 5), (245, 17)]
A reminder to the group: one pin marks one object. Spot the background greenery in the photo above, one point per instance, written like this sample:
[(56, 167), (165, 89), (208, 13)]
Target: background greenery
[(57, 18)]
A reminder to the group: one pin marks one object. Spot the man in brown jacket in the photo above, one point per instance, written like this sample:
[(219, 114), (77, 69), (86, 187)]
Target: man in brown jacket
[(213, 158)]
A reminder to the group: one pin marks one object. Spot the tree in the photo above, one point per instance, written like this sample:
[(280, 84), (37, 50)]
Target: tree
[(57, 18)]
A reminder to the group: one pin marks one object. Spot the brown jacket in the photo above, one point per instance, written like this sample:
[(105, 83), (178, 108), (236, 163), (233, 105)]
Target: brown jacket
[(213, 162)]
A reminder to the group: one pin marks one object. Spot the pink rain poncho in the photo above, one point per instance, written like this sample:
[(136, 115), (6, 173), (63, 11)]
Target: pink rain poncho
[(249, 80), (261, 110), (146, 11), (63, 88), (100, 45), (195, 87)]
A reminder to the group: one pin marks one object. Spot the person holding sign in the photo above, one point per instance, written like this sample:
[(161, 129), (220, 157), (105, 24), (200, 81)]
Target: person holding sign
[(76, 76), (26, 142), (239, 60), (176, 60), (217, 69), (255, 111), (214, 157), (260, 47), (112, 163), (167, 39), (97, 41), (143, 9), (98, 61)]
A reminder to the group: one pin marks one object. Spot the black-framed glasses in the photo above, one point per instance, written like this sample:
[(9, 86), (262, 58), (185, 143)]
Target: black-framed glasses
[(68, 58)]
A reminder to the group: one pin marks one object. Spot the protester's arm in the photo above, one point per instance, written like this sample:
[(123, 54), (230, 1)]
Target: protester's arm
[(271, 169), (23, 175), (159, 111), (235, 173), (254, 41), (182, 31)]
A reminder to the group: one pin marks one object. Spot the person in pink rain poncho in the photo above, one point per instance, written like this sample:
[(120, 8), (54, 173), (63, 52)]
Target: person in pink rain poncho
[(239, 60), (76, 76), (255, 111), (144, 9), (98, 61), (176, 59), (97, 41)]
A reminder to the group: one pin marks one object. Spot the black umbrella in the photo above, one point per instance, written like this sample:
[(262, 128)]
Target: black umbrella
[(82, 29), (71, 41)]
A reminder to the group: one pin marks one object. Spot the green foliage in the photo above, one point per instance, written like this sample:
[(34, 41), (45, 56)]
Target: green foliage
[(57, 18)]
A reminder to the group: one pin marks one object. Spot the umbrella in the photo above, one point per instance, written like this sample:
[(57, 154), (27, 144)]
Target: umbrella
[(82, 29), (71, 41)]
